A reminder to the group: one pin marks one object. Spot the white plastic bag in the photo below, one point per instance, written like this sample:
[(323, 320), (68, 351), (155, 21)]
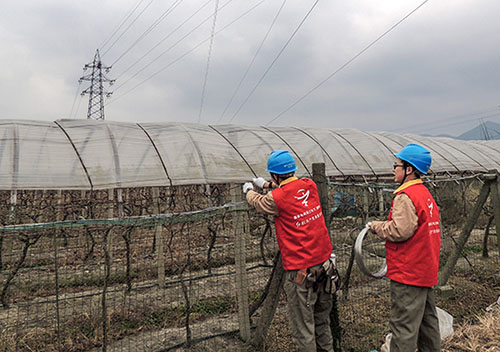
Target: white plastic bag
[(445, 329), (445, 323)]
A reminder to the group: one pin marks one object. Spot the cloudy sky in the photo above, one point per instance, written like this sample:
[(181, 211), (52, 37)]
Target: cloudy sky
[(319, 63)]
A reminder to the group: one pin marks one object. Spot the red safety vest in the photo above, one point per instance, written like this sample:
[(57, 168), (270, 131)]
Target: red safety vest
[(300, 226), (416, 260)]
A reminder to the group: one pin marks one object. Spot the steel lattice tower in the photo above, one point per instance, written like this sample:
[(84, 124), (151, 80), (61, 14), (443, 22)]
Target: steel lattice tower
[(96, 90)]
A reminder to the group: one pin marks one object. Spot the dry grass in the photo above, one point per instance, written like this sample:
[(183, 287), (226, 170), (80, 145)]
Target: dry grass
[(481, 337)]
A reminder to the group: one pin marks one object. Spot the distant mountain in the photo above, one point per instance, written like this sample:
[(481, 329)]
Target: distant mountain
[(492, 129), (477, 133), (438, 135)]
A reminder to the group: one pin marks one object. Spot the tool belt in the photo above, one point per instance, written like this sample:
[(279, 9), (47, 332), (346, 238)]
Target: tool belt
[(325, 276)]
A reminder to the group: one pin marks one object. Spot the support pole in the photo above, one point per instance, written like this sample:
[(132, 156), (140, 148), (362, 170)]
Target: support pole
[(111, 206), (495, 197), (241, 271), (319, 177), (381, 208), (366, 204), (59, 217), (270, 303), (464, 235), (159, 239)]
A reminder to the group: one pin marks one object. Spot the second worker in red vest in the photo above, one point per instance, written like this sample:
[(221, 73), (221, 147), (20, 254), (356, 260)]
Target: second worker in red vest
[(305, 250), (413, 238)]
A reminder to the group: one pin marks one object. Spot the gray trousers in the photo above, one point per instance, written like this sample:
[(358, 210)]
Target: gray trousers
[(413, 321), (309, 315)]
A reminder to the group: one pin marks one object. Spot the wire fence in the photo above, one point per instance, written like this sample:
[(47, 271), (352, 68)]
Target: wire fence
[(158, 269)]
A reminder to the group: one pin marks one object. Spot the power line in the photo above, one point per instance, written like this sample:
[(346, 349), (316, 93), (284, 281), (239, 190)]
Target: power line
[(274, 61), (443, 122), (346, 64), (120, 25), (153, 26), (454, 123), (74, 100), (126, 29), (252, 61), (210, 46), (172, 46), (189, 51), (163, 39), (78, 106)]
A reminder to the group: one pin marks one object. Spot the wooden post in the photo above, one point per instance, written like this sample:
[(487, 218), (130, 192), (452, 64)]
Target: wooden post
[(464, 235), (82, 240), (13, 201), (119, 199), (159, 239), (381, 207), (495, 197), (270, 302), (109, 239), (12, 220), (59, 217), (241, 270), (319, 177), (366, 204)]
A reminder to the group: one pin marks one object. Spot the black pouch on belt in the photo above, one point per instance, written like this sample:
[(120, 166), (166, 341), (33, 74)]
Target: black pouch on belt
[(315, 277), (332, 278)]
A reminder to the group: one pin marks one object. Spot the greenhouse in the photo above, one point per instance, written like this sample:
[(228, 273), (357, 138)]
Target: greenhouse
[(88, 154)]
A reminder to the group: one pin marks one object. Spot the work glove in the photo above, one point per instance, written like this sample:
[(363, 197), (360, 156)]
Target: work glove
[(369, 227), (259, 182), (247, 186)]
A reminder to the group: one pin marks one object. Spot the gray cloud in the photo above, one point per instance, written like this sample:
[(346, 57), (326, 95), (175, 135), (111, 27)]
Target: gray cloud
[(442, 62)]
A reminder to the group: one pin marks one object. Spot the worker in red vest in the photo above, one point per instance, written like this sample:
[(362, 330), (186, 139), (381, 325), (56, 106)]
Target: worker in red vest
[(306, 249), (413, 239)]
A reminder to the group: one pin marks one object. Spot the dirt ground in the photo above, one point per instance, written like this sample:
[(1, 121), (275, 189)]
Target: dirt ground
[(475, 328)]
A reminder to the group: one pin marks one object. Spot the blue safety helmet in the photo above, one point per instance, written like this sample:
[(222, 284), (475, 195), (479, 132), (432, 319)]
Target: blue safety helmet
[(281, 162), (417, 156)]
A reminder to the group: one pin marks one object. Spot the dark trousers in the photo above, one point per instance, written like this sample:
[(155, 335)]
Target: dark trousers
[(414, 322), (309, 315)]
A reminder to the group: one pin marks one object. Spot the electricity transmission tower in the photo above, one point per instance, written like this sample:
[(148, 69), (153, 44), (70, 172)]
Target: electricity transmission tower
[(96, 90)]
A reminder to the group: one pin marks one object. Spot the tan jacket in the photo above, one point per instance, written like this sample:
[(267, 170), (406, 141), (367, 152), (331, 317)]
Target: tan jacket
[(404, 221), (265, 203), (262, 203)]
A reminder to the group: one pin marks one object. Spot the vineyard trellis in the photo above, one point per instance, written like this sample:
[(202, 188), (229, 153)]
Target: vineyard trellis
[(164, 268)]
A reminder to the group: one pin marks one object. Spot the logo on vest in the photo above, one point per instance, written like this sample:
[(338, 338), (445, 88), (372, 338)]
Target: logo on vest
[(430, 205), (304, 195)]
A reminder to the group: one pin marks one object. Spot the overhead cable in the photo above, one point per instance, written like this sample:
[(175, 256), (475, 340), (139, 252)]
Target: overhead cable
[(74, 100), (346, 64), (188, 52), (252, 61), (128, 27), (153, 26), (78, 106), (172, 46), (274, 61), (101, 47), (210, 46), (163, 39), (472, 115), (454, 123)]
